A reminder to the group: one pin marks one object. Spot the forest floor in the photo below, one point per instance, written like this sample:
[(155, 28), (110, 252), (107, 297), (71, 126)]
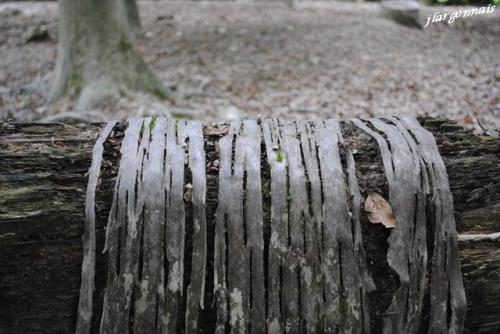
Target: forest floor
[(230, 60)]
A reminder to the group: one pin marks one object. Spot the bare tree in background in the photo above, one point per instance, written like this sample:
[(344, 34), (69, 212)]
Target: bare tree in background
[(133, 15), (97, 60)]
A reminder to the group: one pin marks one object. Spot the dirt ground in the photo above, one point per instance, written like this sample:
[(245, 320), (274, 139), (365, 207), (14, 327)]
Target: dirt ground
[(228, 60)]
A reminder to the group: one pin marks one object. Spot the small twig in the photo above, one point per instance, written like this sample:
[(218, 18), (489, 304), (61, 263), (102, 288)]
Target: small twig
[(481, 125), (479, 237)]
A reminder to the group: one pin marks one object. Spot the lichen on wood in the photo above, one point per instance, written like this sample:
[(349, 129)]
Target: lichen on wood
[(289, 261), (239, 252), (146, 230), (412, 161), (447, 284), (405, 255)]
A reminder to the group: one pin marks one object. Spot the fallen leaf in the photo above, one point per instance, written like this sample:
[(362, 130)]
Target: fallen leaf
[(200, 60), (379, 211), (215, 131), (468, 120)]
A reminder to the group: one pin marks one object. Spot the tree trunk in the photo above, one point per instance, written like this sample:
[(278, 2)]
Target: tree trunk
[(133, 15), (43, 178), (97, 60)]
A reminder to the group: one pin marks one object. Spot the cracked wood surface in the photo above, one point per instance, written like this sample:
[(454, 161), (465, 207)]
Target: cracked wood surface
[(45, 200)]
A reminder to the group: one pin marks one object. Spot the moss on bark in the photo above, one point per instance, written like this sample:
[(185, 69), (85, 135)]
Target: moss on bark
[(97, 60)]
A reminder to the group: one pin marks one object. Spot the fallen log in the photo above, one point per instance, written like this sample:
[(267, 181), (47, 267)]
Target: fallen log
[(43, 178)]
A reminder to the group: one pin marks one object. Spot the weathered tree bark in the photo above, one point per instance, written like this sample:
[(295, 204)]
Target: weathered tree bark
[(97, 59), (42, 188), (133, 15)]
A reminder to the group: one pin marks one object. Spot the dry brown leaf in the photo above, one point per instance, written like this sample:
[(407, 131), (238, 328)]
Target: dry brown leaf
[(208, 131), (379, 211)]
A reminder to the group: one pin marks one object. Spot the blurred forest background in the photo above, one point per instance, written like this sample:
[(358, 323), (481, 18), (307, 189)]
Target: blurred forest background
[(223, 60)]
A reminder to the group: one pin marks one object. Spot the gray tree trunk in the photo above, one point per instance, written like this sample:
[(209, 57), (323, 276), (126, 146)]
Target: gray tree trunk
[(97, 59), (133, 15)]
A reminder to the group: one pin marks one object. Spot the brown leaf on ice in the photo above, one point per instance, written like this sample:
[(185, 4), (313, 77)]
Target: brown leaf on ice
[(379, 211)]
